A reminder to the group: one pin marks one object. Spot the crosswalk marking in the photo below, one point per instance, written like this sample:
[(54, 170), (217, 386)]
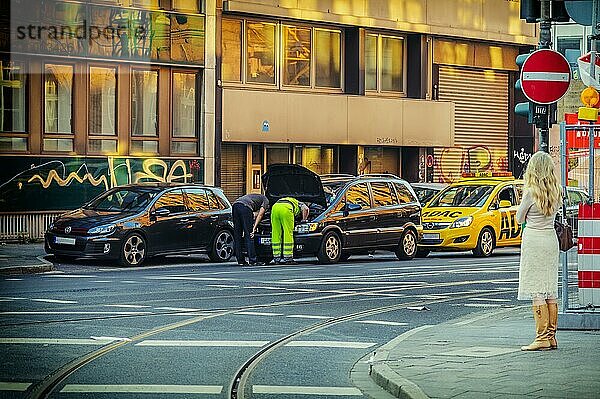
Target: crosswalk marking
[(156, 342), (331, 344), (127, 306), (14, 386), (51, 300), (381, 322), (306, 390), (260, 314), (142, 388), (306, 316)]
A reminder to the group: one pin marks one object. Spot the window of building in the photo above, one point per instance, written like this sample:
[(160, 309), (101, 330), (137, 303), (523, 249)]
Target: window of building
[(568, 43), (384, 63), (12, 107), (371, 62), (260, 52), (231, 42), (144, 111), (296, 56), (382, 194), (319, 159), (102, 109), (193, 6), (103, 86), (328, 58), (184, 101), (359, 194), (58, 108)]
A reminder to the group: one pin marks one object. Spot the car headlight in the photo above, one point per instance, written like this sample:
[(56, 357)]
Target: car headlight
[(106, 229), (462, 222), (306, 227)]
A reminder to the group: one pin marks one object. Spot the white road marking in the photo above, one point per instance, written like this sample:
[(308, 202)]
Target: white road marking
[(382, 322), (187, 278), (70, 276), (110, 338), (306, 390), (157, 342), (179, 309), (222, 286), (481, 305), (14, 386), (130, 282), (56, 341), (51, 300), (101, 281), (489, 299), (73, 312), (13, 279), (260, 314), (331, 344), (142, 388), (306, 316), (127, 306)]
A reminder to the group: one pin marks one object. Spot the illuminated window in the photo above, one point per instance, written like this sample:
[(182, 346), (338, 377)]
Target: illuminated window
[(260, 52), (184, 104), (328, 57), (12, 96), (144, 103), (58, 85), (296, 56), (231, 43), (384, 63), (103, 84)]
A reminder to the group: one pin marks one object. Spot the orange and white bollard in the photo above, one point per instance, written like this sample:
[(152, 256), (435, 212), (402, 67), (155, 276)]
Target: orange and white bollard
[(588, 254)]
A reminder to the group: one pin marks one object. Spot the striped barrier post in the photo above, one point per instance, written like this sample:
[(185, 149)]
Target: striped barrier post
[(588, 254)]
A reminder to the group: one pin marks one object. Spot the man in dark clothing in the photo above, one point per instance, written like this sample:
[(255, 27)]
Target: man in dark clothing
[(243, 213)]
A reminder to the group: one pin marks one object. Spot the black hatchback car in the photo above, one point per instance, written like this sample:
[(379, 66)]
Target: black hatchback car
[(348, 215), (134, 222)]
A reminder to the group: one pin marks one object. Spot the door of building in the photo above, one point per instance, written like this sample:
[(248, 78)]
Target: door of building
[(233, 170)]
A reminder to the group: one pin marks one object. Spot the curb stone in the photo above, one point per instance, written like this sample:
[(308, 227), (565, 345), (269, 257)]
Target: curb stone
[(44, 267)]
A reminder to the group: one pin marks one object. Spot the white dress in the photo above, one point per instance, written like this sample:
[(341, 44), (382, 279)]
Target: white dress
[(538, 267)]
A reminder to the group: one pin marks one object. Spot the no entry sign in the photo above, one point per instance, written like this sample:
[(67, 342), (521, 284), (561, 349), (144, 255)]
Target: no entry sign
[(545, 76)]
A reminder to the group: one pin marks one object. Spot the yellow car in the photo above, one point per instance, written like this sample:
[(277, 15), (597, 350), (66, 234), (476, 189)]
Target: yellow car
[(477, 213)]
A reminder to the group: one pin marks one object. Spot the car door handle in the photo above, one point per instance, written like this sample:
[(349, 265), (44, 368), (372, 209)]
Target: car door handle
[(185, 220), (214, 217)]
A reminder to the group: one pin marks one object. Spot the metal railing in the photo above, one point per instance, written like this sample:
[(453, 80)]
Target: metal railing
[(26, 226)]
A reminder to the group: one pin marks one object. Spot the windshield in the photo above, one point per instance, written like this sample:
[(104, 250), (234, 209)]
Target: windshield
[(331, 189), (471, 196), (121, 200)]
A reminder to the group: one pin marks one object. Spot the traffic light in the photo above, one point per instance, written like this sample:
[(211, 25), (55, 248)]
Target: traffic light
[(530, 11), (525, 109)]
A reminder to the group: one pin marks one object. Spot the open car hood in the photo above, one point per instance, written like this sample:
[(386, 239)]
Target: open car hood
[(288, 180)]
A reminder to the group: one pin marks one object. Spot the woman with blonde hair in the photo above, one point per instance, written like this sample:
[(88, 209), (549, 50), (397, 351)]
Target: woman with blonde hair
[(538, 269)]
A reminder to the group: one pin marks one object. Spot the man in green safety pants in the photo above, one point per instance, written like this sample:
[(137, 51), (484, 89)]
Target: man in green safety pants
[(283, 214)]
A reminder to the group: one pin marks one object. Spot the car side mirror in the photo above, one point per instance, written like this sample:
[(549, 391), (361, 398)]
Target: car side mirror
[(504, 204), (161, 212), (350, 207)]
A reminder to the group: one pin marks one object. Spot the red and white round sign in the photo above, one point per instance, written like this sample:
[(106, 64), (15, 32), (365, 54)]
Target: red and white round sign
[(545, 76)]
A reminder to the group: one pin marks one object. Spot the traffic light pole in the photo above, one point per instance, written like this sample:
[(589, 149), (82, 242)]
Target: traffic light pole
[(542, 121)]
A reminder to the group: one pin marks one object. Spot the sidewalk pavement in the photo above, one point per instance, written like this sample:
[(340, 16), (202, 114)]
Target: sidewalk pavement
[(480, 357), (23, 259)]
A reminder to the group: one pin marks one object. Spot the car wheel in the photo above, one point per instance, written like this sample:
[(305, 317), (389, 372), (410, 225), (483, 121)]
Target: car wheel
[(222, 247), (407, 248), (133, 251), (422, 253), (485, 243), (331, 248)]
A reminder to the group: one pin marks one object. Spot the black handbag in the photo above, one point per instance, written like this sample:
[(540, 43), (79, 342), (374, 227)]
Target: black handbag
[(564, 233)]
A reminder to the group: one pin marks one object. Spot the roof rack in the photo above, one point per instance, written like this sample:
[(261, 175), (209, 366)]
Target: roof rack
[(379, 175)]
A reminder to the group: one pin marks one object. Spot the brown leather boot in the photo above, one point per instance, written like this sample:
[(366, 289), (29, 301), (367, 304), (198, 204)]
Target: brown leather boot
[(552, 324), (541, 342)]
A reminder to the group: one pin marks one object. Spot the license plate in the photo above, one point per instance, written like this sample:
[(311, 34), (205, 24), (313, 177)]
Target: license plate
[(431, 236), (64, 240), (265, 240)]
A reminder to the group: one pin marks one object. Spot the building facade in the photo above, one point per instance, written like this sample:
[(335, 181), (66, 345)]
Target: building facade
[(420, 88), (101, 93)]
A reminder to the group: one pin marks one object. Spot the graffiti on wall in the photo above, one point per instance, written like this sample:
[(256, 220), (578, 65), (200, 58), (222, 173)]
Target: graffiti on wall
[(41, 184), (470, 159)]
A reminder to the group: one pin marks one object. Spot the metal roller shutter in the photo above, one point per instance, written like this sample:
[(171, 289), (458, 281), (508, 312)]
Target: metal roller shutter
[(233, 170), (481, 121)]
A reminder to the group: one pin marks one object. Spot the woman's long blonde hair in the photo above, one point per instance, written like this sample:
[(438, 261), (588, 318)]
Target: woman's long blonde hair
[(542, 183)]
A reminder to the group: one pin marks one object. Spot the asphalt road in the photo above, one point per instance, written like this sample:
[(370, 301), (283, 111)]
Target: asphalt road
[(182, 327)]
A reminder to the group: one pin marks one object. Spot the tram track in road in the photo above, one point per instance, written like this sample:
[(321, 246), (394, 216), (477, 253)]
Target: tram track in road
[(45, 387)]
